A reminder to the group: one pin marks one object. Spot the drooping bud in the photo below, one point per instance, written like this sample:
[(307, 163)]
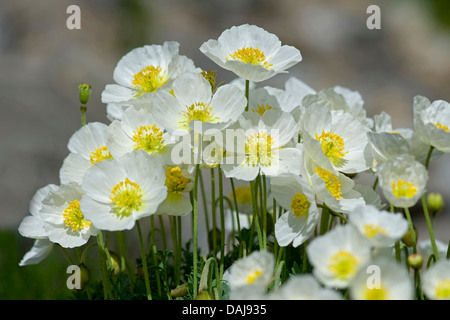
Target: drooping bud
[(204, 295), (179, 291)]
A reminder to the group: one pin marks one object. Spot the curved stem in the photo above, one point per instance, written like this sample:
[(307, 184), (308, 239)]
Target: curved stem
[(411, 230), (430, 227)]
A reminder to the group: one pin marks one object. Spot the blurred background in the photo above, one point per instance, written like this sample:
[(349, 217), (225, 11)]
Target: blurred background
[(42, 63)]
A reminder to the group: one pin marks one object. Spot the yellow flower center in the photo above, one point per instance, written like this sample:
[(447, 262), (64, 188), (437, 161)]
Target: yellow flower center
[(262, 108), (251, 278), (198, 111), (371, 230), (403, 189), (149, 79), (175, 181), (74, 218), (251, 55), (258, 149), (243, 195), (343, 265), (100, 154), (333, 147), (149, 138), (300, 205), (126, 197), (380, 293), (443, 289), (442, 126), (332, 182)]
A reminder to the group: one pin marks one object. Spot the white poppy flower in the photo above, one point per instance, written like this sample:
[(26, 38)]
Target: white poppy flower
[(336, 140), (333, 188), (256, 269), (32, 226), (262, 146), (118, 192), (64, 222), (432, 122), (193, 100), (298, 223), (382, 279), (304, 287), (87, 146), (338, 255), (144, 70), (436, 281), (251, 52), (381, 227), (138, 130), (402, 180)]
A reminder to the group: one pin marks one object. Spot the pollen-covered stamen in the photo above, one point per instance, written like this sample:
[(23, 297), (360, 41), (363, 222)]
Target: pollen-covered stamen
[(333, 147), (100, 154), (332, 182), (253, 276), (441, 126), (401, 188), (371, 230), (126, 197), (74, 218), (376, 293), (343, 264), (258, 149), (199, 111), (251, 55), (149, 79), (149, 138), (175, 181), (443, 289), (300, 205), (262, 108)]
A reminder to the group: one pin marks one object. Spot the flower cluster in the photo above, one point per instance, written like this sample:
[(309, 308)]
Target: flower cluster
[(299, 225)]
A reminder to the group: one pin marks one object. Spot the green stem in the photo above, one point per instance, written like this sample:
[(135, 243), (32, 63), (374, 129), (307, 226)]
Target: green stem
[(222, 225), (247, 93), (124, 254), (154, 255), (411, 230), (103, 266), (83, 109), (205, 205), (213, 205), (430, 227), (144, 262), (427, 161), (83, 255), (264, 211), (324, 219), (254, 192), (195, 230), (176, 249), (162, 228), (236, 208)]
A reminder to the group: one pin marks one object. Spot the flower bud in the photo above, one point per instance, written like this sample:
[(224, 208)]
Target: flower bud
[(415, 261), (179, 291), (407, 238), (84, 276), (435, 202), (115, 262), (84, 91), (204, 295)]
